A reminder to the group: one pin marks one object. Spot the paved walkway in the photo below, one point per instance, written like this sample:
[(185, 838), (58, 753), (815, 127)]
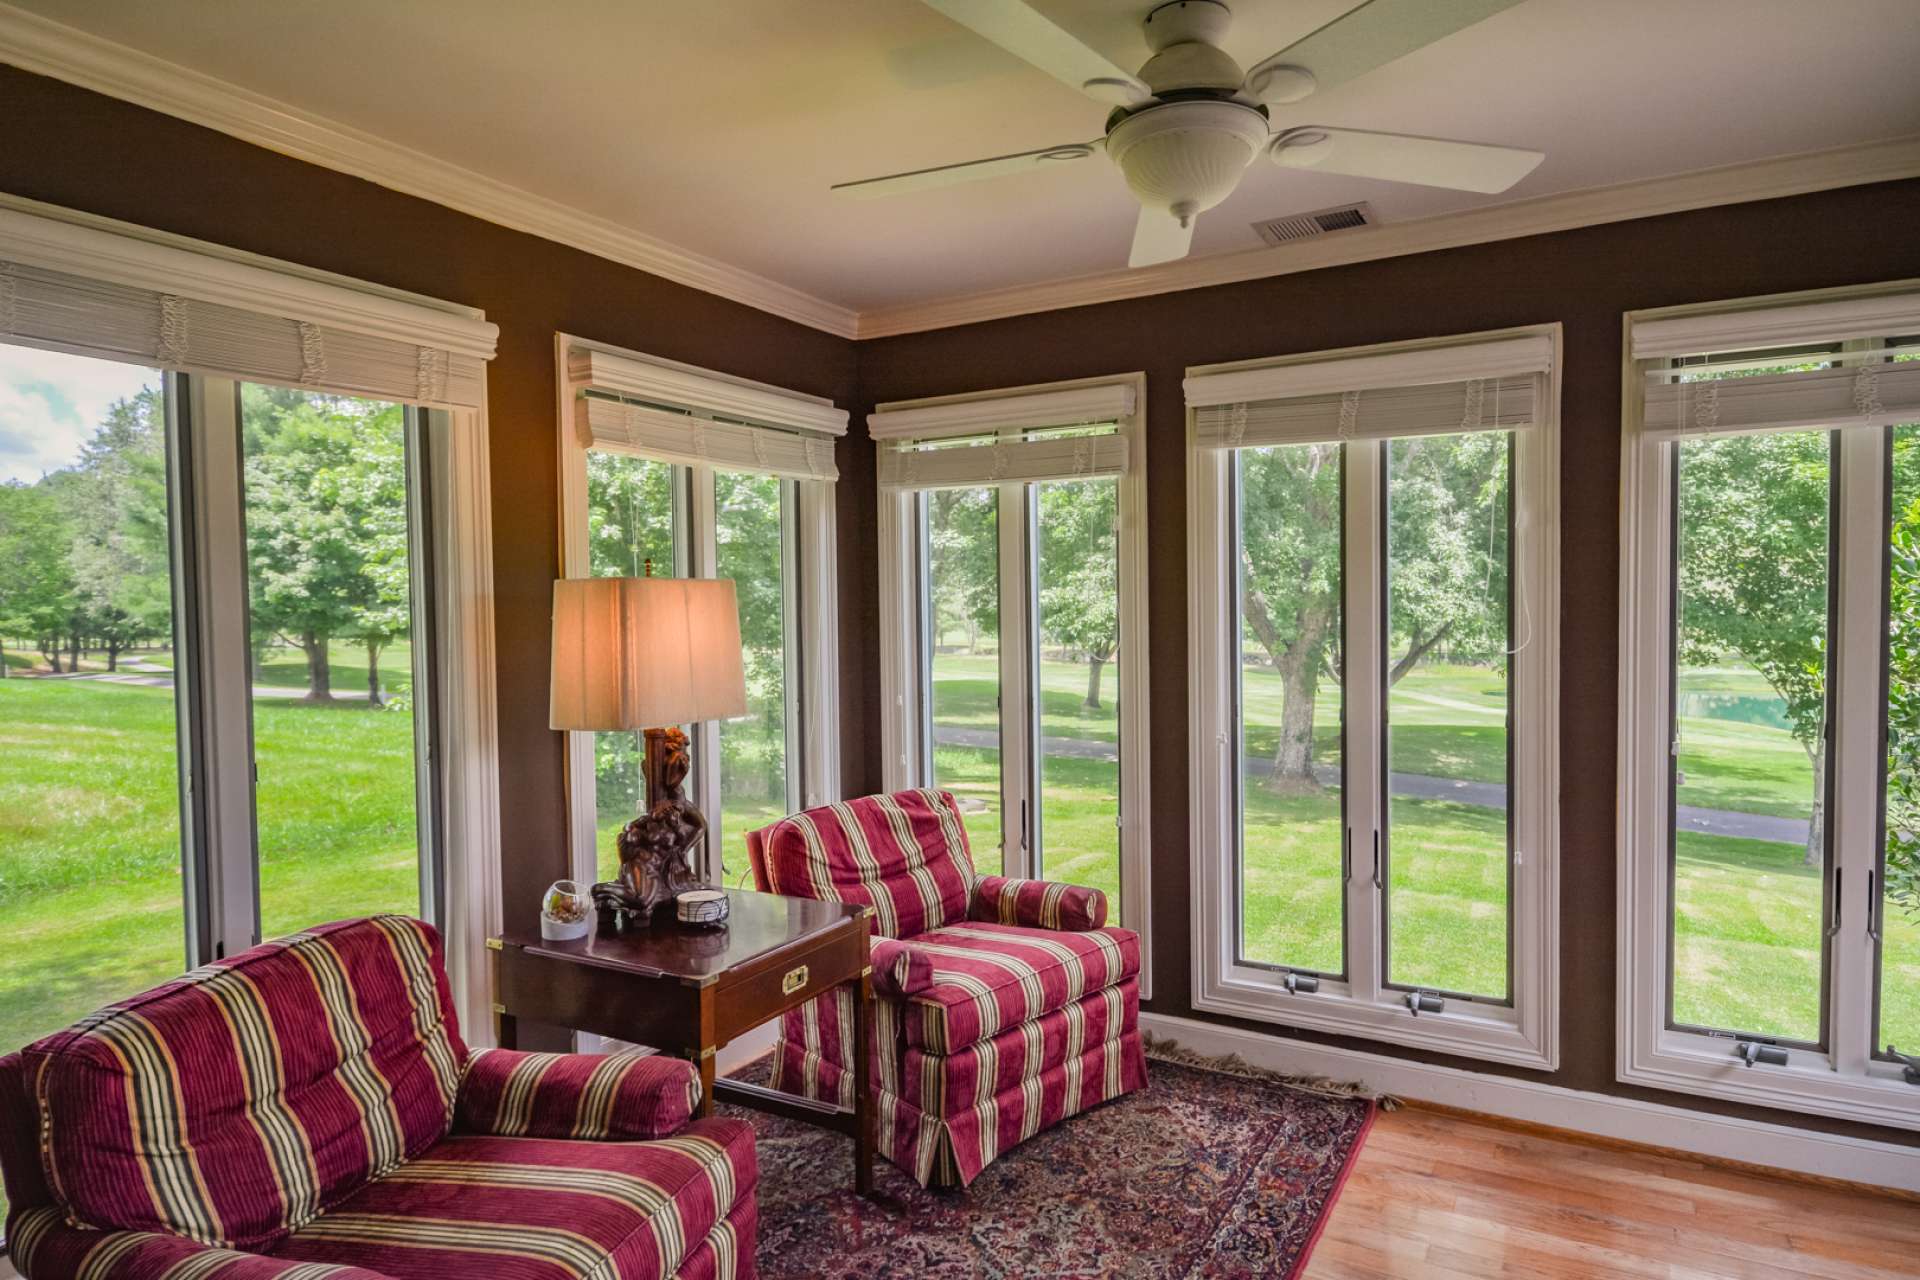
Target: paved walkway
[(1487, 795), (150, 676)]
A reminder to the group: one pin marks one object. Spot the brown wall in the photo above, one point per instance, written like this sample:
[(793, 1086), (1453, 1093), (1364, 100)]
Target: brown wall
[(78, 149), (84, 151), (1584, 279)]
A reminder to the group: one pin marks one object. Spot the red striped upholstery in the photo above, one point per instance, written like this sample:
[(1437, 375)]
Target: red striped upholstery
[(233, 1104), (904, 854), (42, 1244), (534, 1209), (988, 978), (1038, 904), (580, 1096), (994, 1020)]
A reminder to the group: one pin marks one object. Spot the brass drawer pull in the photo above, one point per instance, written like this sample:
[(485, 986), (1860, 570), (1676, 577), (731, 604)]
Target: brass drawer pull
[(793, 980)]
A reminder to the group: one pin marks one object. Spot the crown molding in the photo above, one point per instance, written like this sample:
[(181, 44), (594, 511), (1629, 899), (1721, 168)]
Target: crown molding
[(49, 48), (1882, 161)]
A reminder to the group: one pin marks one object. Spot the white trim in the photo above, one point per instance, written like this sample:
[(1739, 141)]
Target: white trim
[(817, 524), (1873, 1164), (670, 382), (970, 415), (1844, 1080), (470, 740), (905, 761), (1769, 179), (1412, 366), (1526, 1033), (40, 45), (1757, 323), (49, 48)]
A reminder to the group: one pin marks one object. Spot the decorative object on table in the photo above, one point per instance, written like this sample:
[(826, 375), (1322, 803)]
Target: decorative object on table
[(643, 653), (563, 913), (706, 908)]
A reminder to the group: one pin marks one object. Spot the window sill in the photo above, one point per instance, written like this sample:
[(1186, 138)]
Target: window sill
[(1490, 1033), (1809, 1085)]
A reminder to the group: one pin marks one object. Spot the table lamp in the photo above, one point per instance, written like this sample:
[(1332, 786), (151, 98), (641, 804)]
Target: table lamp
[(649, 654)]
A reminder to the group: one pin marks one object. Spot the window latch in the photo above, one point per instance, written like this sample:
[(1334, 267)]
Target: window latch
[(1833, 926), (1301, 983), (1424, 1002), (1910, 1065), (1752, 1051), (1875, 907), (1376, 860)]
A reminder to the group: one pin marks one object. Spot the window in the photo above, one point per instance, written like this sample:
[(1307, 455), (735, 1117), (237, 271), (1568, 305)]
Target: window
[(682, 473), (1012, 547), (1374, 664), (1767, 564), (223, 674)]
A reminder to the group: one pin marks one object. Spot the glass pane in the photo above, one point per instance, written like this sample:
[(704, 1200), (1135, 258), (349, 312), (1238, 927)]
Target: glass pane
[(1751, 558), (329, 592), (1899, 1000), (633, 518), (1449, 632), (963, 656), (91, 905), (755, 774), (1291, 908), (1076, 690)]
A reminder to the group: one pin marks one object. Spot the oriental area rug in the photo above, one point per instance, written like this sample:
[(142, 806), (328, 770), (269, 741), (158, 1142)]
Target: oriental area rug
[(1200, 1174)]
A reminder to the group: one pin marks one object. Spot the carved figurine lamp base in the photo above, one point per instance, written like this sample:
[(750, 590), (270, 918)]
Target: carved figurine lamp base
[(636, 653)]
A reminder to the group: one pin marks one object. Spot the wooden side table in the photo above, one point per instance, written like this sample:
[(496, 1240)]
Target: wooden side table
[(690, 991)]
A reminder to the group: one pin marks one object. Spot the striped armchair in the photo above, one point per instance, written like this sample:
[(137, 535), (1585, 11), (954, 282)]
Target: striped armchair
[(1004, 1006), (306, 1110)]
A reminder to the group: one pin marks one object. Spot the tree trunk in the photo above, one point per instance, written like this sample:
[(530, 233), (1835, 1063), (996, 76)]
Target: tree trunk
[(1418, 649), (1299, 683), (1095, 663), (1817, 820), (4, 673), (319, 668), (50, 651), (74, 654), (373, 675), (113, 655)]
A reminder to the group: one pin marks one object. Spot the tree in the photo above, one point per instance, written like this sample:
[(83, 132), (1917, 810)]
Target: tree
[(1079, 572), (373, 490), (117, 512), (307, 540), (1903, 711), (963, 553), (36, 582)]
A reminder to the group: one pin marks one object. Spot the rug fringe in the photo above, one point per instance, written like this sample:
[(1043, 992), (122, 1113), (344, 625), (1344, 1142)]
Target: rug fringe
[(1232, 1064)]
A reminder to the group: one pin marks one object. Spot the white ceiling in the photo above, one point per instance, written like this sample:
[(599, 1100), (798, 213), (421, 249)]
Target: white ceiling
[(717, 125)]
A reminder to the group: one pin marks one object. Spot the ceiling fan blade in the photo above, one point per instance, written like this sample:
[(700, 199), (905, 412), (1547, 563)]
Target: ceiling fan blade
[(1027, 34), (1369, 36), (1159, 237), (1399, 157), (947, 175)]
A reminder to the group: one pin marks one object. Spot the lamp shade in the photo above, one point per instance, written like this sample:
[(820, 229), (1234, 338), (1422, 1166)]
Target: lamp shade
[(645, 653)]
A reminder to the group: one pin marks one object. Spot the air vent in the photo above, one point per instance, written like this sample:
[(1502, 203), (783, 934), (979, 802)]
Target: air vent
[(1304, 226)]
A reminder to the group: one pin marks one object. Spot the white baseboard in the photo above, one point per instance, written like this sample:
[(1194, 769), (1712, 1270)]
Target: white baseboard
[(1884, 1164)]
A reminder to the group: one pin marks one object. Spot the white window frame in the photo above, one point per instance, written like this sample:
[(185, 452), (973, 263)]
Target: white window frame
[(1524, 1032), (1844, 1081), (905, 760), (813, 734), (332, 308)]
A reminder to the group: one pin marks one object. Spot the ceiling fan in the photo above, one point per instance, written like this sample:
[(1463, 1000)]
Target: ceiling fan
[(1184, 130)]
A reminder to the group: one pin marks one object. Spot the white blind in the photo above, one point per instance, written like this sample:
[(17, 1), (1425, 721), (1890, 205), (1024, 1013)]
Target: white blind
[(1491, 404), (1005, 461), (1068, 407), (1456, 362), (1866, 395), (666, 436), (664, 382), (86, 288), (1752, 328)]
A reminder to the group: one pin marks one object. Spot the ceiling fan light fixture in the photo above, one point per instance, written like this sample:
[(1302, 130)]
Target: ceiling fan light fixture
[(1186, 157)]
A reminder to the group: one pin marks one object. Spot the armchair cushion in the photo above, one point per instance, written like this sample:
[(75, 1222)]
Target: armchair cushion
[(42, 1244), (898, 969), (1037, 904), (904, 854), (540, 1209), (582, 1096), (991, 977)]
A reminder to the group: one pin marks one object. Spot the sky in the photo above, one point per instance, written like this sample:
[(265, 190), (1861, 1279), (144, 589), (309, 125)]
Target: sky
[(50, 403)]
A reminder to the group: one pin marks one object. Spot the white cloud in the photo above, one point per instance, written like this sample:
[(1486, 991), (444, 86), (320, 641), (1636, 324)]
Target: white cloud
[(50, 404)]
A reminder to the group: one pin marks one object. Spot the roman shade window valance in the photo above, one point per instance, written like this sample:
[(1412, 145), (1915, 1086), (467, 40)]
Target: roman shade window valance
[(1070, 434), (75, 286), (680, 436)]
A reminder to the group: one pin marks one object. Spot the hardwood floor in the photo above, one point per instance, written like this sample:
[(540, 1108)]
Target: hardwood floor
[(1442, 1197)]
